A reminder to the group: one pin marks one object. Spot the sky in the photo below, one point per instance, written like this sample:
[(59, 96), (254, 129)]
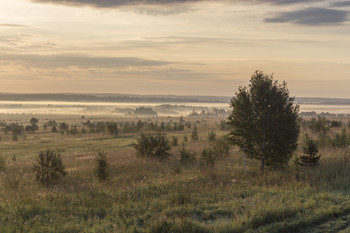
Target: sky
[(181, 47)]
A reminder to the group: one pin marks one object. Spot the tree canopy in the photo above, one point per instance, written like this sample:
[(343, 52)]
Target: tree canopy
[(264, 121)]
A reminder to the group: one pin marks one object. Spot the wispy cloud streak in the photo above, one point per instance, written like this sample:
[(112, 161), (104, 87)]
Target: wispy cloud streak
[(61, 61)]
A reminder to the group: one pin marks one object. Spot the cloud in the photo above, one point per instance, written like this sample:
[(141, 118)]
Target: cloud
[(341, 4), (13, 25), (120, 3), (62, 61), (311, 16)]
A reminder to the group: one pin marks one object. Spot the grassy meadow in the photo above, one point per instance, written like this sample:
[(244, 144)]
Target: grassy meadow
[(144, 195)]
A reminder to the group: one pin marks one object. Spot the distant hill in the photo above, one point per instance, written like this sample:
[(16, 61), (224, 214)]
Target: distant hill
[(322, 101), (130, 98), (124, 98)]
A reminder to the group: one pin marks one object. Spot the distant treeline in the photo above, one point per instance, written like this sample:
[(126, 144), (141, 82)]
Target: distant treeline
[(322, 101), (111, 98)]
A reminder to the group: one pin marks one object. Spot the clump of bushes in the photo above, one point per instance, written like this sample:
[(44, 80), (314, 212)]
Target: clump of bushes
[(102, 166), (154, 146), (48, 167)]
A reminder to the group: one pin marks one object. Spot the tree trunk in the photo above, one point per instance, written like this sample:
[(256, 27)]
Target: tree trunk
[(262, 165), (245, 164)]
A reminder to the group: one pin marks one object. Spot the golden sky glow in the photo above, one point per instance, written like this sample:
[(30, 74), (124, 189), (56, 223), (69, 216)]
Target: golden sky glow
[(182, 47)]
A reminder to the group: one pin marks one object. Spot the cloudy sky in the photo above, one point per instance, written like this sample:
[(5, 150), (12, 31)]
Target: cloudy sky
[(186, 47)]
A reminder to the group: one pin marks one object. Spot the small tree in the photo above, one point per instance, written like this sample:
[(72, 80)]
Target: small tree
[(310, 150), (112, 128), (48, 167), (153, 146), (33, 125), (2, 163), (208, 158), (33, 121), (264, 121), (211, 136), (175, 141), (185, 138), (221, 147), (186, 156), (194, 134), (102, 166)]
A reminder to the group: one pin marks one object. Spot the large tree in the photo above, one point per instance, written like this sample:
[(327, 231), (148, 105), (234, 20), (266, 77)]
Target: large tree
[(264, 121)]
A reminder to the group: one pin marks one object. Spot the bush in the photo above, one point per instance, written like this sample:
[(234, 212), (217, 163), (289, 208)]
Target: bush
[(336, 124), (2, 163), (194, 134), (48, 167), (221, 147), (187, 156), (102, 166), (207, 158), (185, 138), (211, 136), (224, 126), (112, 128), (321, 124), (310, 150), (340, 140), (153, 146), (175, 141)]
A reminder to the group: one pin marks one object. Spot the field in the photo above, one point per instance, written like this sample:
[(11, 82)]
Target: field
[(151, 196)]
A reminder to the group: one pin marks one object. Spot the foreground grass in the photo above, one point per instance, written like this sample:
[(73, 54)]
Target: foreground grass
[(148, 196)]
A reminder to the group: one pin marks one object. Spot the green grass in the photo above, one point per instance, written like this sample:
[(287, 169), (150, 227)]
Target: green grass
[(151, 196)]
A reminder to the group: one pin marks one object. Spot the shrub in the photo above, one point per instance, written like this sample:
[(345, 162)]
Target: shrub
[(155, 146), (321, 124), (2, 163), (31, 128), (194, 134), (340, 140), (187, 156), (310, 150), (102, 166), (336, 124), (221, 147), (175, 141), (211, 136), (48, 167), (185, 138), (207, 158), (112, 128), (224, 126), (63, 126)]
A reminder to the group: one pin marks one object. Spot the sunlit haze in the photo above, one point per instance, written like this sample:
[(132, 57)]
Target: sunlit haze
[(183, 47)]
